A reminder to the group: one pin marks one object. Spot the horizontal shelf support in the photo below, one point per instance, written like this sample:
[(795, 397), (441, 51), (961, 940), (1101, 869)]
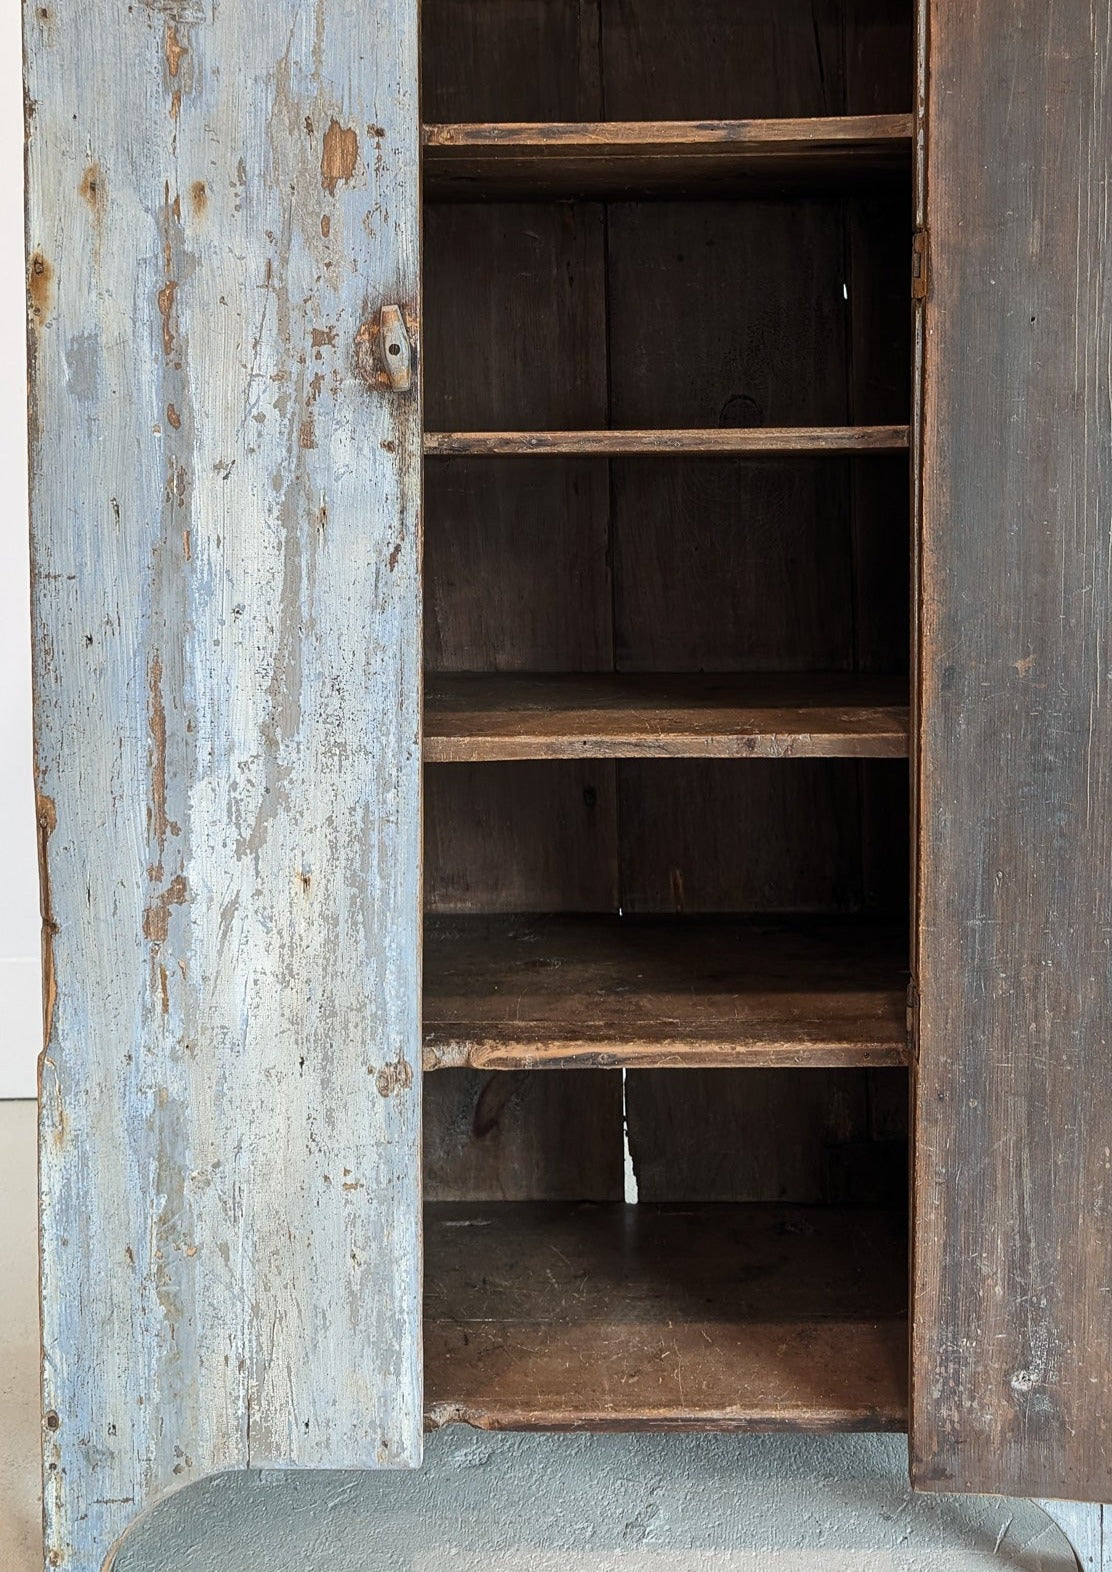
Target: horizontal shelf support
[(503, 717), (755, 441), (597, 991), (596, 159)]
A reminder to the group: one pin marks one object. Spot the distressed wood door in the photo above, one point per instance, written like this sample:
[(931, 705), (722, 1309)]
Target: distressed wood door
[(1012, 1357), (225, 496)]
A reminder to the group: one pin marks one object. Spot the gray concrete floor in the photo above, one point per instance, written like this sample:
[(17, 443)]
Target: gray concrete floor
[(517, 1503)]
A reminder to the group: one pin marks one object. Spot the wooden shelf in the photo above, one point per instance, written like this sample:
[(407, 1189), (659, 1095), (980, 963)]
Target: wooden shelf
[(663, 158), (580, 1317), (534, 992), (755, 441), (475, 718)]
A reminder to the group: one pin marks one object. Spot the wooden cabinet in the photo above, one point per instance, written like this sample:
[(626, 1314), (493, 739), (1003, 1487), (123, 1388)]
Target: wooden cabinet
[(571, 617)]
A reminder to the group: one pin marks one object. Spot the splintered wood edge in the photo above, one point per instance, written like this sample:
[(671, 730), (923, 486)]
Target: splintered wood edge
[(452, 1050)]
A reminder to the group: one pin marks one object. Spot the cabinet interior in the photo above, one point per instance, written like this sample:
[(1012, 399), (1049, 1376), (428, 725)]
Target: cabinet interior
[(666, 370)]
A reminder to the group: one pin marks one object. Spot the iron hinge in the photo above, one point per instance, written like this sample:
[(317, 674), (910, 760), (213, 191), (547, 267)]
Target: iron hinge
[(920, 265), (913, 1023)]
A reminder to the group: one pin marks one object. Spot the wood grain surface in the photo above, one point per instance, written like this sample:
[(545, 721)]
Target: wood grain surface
[(534, 992), (650, 1318), (622, 158), (1012, 1359), (227, 642), (595, 715), (719, 439)]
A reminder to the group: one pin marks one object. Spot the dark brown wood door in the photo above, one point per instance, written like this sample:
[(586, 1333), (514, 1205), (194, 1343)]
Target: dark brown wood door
[(1012, 1358)]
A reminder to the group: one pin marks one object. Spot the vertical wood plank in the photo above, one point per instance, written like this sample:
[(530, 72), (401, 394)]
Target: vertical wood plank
[(1013, 1316), (225, 518), (523, 1135)]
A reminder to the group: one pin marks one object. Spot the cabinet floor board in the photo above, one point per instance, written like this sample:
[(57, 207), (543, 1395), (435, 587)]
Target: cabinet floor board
[(529, 992), (617, 1317)]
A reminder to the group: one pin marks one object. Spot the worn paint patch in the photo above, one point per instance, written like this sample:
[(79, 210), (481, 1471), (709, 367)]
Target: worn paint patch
[(91, 189), (83, 361), (157, 822), (396, 1077), (40, 287), (368, 362), (174, 50), (180, 11), (46, 822), (198, 198), (339, 156), (156, 918), (165, 298)]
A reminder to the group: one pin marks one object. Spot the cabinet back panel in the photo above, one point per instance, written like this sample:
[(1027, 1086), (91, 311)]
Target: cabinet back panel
[(528, 60), (663, 59), (523, 1135), (737, 836), (727, 313), (721, 565), (521, 837), (514, 316), (517, 565), (743, 1135)]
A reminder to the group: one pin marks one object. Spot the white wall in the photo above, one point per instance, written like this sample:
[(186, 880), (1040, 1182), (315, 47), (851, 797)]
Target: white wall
[(20, 1009)]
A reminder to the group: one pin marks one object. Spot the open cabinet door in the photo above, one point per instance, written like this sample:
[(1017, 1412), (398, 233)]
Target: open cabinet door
[(1012, 1362), (223, 198)]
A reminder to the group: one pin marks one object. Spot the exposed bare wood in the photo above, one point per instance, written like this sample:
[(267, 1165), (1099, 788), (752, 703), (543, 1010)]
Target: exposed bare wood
[(623, 158), (508, 993), (649, 1318), (721, 439), (596, 715)]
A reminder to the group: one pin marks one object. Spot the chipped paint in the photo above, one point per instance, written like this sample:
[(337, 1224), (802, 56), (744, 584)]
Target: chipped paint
[(174, 50), (213, 512), (46, 818), (40, 287), (165, 298), (339, 156), (157, 821), (91, 189), (156, 918), (396, 1077)]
